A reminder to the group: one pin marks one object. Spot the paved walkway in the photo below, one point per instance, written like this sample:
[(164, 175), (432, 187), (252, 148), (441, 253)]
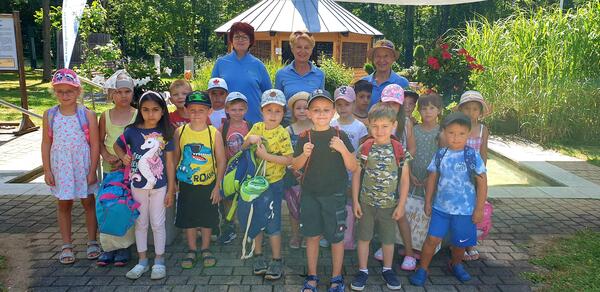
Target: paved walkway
[(518, 225)]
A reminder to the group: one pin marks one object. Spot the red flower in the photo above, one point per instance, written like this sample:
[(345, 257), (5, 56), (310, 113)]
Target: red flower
[(462, 51), (446, 55), (470, 59), (433, 63), (444, 47)]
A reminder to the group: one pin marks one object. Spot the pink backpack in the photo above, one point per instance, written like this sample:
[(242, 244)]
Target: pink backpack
[(484, 227)]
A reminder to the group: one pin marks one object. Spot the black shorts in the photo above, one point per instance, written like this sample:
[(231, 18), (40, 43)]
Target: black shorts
[(194, 207), (323, 215)]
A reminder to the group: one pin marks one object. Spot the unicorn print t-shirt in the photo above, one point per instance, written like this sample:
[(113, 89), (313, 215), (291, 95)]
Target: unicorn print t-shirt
[(455, 191), (148, 162)]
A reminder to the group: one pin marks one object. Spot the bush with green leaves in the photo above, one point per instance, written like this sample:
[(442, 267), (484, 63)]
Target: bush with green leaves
[(336, 74)]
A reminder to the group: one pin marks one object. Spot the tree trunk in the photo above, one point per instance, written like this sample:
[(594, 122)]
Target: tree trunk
[(47, 73), (409, 40)]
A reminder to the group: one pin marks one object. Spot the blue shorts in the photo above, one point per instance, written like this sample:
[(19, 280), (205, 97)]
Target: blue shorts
[(462, 229), (266, 214)]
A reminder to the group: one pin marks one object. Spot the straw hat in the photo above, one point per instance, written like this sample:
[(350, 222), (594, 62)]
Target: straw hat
[(473, 95), (384, 44)]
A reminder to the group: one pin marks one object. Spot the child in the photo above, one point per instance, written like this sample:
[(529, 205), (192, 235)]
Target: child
[(325, 154), (279, 155), (233, 130), (363, 90), (344, 98), (410, 102), (217, 91), (459, 201), (298, 104), (474, 106), (178, 91), (375, 194), (70, 153), (201, 155), (427, 141), (112, 123), (152, 178)]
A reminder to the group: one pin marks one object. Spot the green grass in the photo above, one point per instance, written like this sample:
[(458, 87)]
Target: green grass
[(39, 94), (589, 153), (572, 264), (3, 266)]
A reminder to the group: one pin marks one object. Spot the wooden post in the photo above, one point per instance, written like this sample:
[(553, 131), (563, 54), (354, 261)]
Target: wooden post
[(26, 124)]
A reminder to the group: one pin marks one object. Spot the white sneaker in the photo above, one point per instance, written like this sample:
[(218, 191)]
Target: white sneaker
[(136, 272), (158, 272)]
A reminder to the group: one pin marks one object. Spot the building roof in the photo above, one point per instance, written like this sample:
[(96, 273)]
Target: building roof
[(315, 16)]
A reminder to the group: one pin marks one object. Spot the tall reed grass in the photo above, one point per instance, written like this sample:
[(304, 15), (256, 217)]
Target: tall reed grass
[(543, 69)]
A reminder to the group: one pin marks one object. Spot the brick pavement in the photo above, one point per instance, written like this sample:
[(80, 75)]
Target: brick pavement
[(581, 169), (517, 222)]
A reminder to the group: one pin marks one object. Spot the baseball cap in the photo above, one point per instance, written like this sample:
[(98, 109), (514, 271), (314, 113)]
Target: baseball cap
[(319, 93), (272, 96), (124, 81), (346, 93), (393, 93), (66, 76), (234, 96), (217, 83), (472, 95), (454, 117), (197, 97)]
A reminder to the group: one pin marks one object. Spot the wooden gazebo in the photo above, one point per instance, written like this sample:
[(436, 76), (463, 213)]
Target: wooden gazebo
[(337, 32)]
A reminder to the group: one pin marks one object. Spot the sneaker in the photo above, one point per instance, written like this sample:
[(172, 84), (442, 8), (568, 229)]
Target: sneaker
[(158, 272), (295, 242), (275, 270), (340, 287), (260, 265), (227, 236), (323, 242), (459, 272), (409, 263), (359, 281), (391, 280), (137, 271), (418, 278), (379, 255)]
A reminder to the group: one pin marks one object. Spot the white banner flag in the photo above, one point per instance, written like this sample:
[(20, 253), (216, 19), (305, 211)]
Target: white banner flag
[(71, 15)]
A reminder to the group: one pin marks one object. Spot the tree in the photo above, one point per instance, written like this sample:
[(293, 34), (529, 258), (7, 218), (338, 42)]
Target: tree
[(47, 75)]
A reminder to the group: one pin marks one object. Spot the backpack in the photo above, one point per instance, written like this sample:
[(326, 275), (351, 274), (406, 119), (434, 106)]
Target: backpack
[(251, 189), (365, 149), (239, 167), (116, 210), (81, 117)]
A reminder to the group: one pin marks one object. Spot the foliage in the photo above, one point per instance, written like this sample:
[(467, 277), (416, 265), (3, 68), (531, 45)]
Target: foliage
[(101, 60), (564, 273), (140, 69), (336, 74), (55, 16), (542, 67)]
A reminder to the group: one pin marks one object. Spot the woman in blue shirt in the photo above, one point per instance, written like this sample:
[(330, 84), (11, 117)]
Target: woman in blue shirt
[(242, 71), (383, 55)]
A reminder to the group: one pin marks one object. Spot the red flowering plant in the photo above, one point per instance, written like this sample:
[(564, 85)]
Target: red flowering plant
[(445, 70)]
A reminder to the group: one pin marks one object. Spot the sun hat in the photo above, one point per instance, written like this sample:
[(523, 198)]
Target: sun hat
[(217, 82), (383, 44), (66, 76), (124, 81), (320, 93), (476, 96), (456, 116), (393, 93), (235, 95), (301, 95), (275, 96), (197, 97), (346, 93)]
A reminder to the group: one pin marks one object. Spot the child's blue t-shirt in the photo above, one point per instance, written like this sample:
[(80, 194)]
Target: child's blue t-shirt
[(456, 193), (148, 162)]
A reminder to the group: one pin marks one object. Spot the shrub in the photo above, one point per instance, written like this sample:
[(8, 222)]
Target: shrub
[(336, 74)]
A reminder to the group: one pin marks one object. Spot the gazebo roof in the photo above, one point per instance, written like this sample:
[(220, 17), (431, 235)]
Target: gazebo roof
[(315, 16)]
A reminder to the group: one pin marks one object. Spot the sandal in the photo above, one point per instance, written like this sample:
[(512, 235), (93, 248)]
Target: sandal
[(308, 286), (208, 260), (338, 281), (66, 256), (93, 250), (105, 258), (471, 255), (121, 257), (189, 261)]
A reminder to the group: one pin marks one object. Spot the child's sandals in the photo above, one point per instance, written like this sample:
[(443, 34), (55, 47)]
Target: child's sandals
[(93, 250), (189, 261), (471, 255), (208, 259), (66, 255), (308, 286)]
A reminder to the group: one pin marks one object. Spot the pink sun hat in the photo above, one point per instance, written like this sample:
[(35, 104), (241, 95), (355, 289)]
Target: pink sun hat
[(393, 93), (66, 76)]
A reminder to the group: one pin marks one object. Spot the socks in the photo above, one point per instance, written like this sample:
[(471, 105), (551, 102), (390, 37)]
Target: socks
[(160, 261), (366, 271), (386, 269), (143, 262)]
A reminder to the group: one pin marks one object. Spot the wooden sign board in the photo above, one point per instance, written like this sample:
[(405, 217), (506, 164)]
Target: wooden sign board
[(8, 43)]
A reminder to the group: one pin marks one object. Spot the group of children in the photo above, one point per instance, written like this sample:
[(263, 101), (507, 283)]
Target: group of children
[(338, 163)]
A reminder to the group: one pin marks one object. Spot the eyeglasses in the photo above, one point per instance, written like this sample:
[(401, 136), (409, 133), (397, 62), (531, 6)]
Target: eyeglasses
[(240, 38), (197, 97)]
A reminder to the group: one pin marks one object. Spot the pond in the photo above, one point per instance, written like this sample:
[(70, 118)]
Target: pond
[(502, 172)]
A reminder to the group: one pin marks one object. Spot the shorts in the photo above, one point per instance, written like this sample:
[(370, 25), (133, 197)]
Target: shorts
[(463, 232), (323, 215), (195, 208), (377, 218), (266, 214)]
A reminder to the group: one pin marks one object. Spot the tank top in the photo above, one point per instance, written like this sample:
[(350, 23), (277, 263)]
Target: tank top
[(475, 143), (112, 134), (197, 163)]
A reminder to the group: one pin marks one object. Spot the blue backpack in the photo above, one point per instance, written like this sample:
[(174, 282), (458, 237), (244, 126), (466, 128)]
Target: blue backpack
[(116, 210), (470, 161), (239, 167)]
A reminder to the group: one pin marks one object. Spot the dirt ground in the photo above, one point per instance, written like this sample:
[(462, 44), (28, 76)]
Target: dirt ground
[(16, 276)]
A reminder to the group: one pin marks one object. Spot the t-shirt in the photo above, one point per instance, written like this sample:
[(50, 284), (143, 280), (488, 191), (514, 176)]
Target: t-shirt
[(278, 143), (378, 88), (113, 132), (354, 130), (217, 117), (197, 164), (177, 120), (234, 138), (455, 192), (326, 173), (148, 169)]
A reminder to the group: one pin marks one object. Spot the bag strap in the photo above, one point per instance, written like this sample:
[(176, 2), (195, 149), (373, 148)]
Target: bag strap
[(51, 115), (225, 129), (127, 168), (212, 150), (83, 121)]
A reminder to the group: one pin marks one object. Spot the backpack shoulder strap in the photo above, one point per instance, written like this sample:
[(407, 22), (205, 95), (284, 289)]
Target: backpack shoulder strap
[(439, 155), (225, 129), (51, 115), (398, 151), (181, 135), (470, 159), (212, 149), (83, 121), (365, 149)]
